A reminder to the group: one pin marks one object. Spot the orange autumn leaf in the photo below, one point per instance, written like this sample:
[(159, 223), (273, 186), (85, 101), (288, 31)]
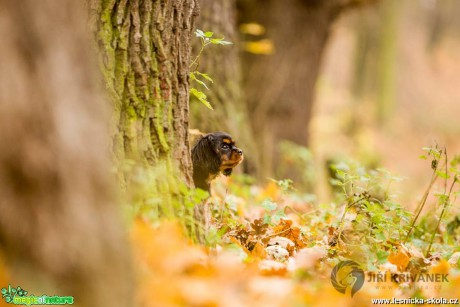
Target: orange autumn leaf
[(442, 267), (400, 259), (259, 251), (271, 191), (285, 229)]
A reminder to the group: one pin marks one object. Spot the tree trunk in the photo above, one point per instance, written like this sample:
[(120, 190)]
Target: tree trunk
[(280, 87), (386, 67), (146, 56), (223, 64), (60, 228)]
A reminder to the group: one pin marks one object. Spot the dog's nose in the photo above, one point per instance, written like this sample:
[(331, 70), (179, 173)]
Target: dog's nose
[(239, 151)]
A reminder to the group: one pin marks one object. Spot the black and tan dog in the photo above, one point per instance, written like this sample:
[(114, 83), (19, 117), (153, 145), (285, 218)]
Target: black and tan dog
[(213, 154)]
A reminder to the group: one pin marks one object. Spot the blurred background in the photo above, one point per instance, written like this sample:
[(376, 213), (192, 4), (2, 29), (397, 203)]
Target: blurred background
[(310, 83), (389, 86)]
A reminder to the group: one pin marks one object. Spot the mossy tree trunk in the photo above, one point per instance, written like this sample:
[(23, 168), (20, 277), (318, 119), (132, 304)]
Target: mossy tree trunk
[(145, 49)]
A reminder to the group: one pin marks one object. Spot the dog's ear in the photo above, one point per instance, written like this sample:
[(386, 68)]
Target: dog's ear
[(205, 155)]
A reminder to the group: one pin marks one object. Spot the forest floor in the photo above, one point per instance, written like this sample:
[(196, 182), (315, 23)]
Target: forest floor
[(275, 246)]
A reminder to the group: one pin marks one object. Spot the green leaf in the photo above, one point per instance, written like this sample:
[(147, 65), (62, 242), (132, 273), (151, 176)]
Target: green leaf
[(202, 83), (269, 205), (267, 219), (335, 182), (208, 34), (206, 76), (442, 174), (200, 195), (278, 215), (201, 97), (219, 41)]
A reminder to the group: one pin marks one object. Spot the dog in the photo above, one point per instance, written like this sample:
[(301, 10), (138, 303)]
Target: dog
[(213, 154)]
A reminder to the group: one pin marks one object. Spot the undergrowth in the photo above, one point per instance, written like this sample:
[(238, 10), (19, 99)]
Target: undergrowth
[(279, 230), (365, 222)]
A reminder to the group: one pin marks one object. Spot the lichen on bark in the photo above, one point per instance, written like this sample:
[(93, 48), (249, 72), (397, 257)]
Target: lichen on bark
[(145, 55)]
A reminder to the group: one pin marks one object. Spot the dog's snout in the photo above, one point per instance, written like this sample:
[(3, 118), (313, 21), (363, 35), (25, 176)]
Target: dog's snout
[(239, 151)]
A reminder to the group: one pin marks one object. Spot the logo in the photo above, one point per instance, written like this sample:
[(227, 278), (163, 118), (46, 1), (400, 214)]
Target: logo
[(347, 277), (18, 296)]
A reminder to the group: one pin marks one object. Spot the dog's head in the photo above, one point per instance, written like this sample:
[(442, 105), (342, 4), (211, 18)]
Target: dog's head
[(214, 153)]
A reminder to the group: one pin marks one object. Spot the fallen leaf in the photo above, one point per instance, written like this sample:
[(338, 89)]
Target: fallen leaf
[(401, 258)]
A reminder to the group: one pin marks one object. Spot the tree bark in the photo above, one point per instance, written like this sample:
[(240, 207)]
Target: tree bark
[(60, 229), (280, 87), (146, 56), (223, 64)]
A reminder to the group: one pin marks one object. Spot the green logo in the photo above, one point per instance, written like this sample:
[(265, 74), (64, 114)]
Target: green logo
[(347, 277), (18, 296)]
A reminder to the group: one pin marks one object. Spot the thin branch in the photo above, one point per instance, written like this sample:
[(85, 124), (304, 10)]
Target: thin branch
[(422, 202), (444, 209)]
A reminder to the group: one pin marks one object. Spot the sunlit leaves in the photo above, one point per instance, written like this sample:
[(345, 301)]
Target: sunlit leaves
[(252, 28), (201, 97), (207, 38), (262, 47), (269, 205), (196, 76)]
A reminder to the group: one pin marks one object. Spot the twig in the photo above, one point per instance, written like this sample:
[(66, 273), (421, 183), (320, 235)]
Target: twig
[(444, 209), (422, 202), (345, 212)]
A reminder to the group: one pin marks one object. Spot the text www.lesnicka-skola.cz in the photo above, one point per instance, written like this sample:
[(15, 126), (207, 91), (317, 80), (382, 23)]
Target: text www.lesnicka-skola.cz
[(415, 301)]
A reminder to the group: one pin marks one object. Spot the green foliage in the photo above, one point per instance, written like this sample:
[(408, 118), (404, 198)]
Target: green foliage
[(284, 184), (206, 39), (450, 170), (272, 215), (155, 193), (371, 218)]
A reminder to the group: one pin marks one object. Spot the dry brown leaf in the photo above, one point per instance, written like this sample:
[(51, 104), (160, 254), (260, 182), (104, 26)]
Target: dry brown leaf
[(259, 227), (285, 229)]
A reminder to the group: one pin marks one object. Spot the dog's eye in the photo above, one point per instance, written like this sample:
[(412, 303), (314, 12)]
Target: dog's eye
[(225, 146)]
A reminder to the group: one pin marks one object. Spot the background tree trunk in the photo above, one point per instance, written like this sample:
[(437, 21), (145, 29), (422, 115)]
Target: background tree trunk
[(60, 228), (223, 64), (386, 67), (280, 87), (146, 56)]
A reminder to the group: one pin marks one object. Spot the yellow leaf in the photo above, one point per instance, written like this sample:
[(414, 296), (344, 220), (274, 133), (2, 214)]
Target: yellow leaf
[(252, 28), (263, 46)]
